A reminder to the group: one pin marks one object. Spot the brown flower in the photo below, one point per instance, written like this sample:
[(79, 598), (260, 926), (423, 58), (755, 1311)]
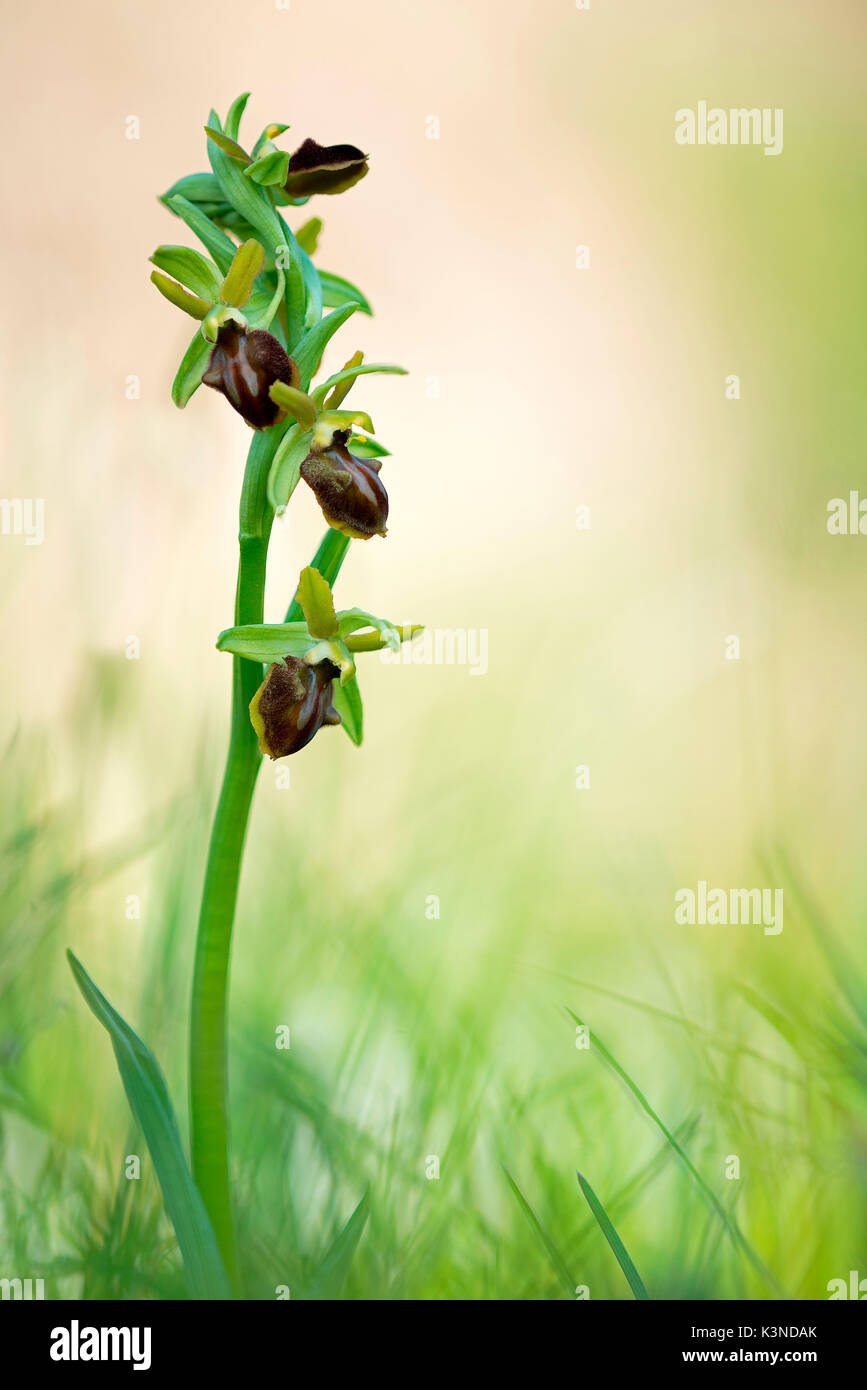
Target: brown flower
[(292, 704), (244, 364), (348, 489), (324, 169)]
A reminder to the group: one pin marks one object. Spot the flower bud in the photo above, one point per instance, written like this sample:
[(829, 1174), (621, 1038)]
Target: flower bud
[(292, 704), (348, 489), (324, 169), (244, 365)]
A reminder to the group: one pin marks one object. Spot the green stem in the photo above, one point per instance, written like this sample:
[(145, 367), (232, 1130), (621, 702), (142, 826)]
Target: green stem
[(209, 1128), (209, 1123)]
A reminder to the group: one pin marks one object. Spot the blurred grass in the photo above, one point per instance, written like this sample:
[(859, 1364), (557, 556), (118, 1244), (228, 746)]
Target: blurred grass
[(408, 1042)]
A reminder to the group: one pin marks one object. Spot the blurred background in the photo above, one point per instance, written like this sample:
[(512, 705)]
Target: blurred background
[(424, 912)]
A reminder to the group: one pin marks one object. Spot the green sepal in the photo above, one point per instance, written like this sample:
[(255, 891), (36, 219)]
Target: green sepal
[(336, 291), (346, 699), (309, 350), (286, 466), (191, 268), (269, 169), (182, 299), (314, 595), (294, 402), (266, 642), (188, 377)]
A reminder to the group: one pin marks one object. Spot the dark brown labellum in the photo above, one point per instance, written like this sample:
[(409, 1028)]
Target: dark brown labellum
[(244, 365), (324, 169), (348, 489), (292, 704)]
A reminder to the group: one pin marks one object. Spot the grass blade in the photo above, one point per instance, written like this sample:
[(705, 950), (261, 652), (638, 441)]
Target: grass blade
[(151, 1105), (330, 1278), (557, 1261), (621, 1254), (707, 1191)]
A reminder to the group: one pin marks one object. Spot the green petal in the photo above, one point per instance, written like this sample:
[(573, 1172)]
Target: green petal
[(190, 303)]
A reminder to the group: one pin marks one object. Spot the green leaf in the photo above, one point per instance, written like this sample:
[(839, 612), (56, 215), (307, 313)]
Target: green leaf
[(330, 1278), (307, 235), (308, 352), (182, 299), (266, 642), (347, 702), (190, 267), (221, 247), (286, 466), (336, 291), (236, 111), (294, 402), (151, 1105), (246, 267), (350, 373), (228, 146), (328, 560), (621, 1254), (314, 595), (188, 377), (270, 169)]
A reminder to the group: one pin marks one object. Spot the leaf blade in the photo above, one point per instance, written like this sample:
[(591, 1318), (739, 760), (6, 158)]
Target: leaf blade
[(608, 1229), (151, 1105)]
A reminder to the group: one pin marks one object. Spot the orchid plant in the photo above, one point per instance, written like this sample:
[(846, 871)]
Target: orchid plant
[(260, 303)]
